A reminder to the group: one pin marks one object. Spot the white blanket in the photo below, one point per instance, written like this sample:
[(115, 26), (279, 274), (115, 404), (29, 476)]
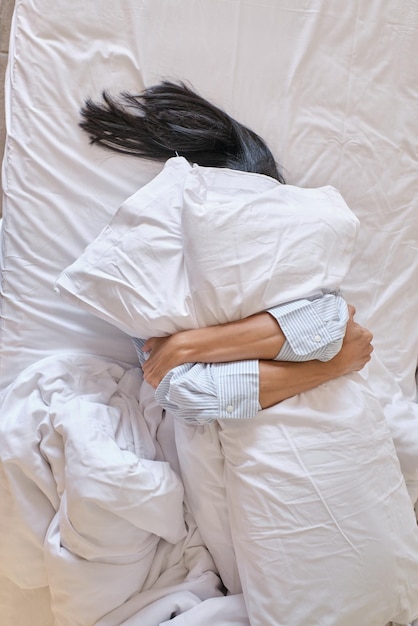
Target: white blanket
[(90, 503)]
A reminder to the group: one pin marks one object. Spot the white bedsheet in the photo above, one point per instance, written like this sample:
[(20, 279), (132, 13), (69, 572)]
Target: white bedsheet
[(332, 86), (95, 508)]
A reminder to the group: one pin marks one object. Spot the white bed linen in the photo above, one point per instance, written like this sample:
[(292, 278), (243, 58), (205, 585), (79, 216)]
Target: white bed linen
[(95, 509), (333, 86), (313, 487), (318, 513)]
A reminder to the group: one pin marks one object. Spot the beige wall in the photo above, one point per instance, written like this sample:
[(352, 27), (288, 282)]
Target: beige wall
[(6, 10)]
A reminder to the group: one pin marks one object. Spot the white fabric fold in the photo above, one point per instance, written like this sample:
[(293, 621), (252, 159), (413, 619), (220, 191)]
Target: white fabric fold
[(87, 501)]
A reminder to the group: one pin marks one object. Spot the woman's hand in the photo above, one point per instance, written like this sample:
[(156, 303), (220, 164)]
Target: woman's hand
[(356, 350), (279, 380), (164, 354)]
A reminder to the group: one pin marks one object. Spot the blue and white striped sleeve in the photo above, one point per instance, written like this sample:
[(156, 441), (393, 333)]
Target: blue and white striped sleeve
[(203, 392), (314, 328)]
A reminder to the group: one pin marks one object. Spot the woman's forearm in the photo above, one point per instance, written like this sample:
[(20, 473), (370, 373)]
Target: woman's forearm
[(255, 337), (279, 380)]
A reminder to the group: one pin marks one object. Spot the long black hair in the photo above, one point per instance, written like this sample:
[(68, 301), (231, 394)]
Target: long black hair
[(168, 119)]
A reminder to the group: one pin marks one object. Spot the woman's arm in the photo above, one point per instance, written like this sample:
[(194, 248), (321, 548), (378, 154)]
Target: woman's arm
[(303, 330), (279, 380), (255, 337), (314, 330), (200, 392)]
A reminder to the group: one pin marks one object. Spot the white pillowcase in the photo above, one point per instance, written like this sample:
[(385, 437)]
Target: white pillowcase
[(199, 246)]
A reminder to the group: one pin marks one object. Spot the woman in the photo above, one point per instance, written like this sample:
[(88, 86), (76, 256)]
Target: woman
[(169, 119)]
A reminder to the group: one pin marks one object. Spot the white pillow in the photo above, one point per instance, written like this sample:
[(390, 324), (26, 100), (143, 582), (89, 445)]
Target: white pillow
[(319, 514), (200, 246), (251, 243)]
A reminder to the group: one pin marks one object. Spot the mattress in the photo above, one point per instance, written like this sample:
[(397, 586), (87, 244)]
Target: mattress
[(332, 86)]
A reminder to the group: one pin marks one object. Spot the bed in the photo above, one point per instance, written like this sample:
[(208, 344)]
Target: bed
[(147, 531)]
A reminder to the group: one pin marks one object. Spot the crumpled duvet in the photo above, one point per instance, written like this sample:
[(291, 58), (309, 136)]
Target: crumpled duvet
[(92, 506)]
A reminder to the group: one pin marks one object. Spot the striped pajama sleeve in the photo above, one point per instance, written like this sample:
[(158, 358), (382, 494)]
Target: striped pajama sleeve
[(314, 329), (203, 392)]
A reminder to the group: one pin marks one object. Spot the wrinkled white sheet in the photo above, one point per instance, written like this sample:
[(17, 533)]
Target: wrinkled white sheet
[(332, 86), (93, 507)]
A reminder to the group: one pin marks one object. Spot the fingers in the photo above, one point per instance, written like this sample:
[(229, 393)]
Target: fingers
[(351, 310), (147, 347), (149, 375), (158, 361), (368, 336)]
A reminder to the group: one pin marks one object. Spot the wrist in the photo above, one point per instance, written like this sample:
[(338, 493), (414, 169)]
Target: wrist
[(183, 346), (335, 367)]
